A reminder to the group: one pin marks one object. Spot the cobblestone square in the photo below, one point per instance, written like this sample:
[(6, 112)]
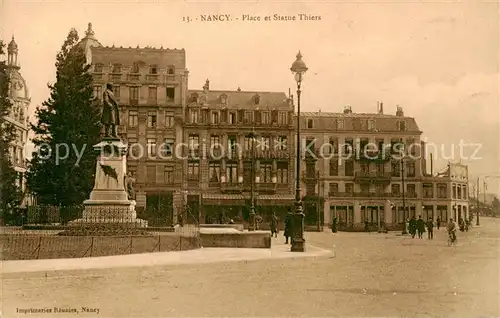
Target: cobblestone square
[(370, 274)]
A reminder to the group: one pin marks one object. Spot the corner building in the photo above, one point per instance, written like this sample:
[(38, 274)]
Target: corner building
[(371, 182)]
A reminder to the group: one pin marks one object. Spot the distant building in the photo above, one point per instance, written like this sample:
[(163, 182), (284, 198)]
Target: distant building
[(366, 184), (19, 96), (218, 126)]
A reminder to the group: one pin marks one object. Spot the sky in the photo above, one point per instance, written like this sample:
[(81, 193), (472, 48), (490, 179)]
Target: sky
[(437, 60)]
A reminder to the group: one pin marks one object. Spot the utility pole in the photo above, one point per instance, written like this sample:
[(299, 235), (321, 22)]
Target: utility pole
[(477, 212)]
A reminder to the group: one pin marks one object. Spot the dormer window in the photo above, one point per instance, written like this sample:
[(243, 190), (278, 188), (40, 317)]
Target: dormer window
[(402, 125), (135, 68), (256, 99), (340, 124), (223, 99), (371, 124), (309, 123), (193, 98), (170, 70), (153, 69), (117, 68), (98, 68)]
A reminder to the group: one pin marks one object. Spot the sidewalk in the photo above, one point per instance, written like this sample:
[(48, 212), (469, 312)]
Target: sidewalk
[(203, 255)]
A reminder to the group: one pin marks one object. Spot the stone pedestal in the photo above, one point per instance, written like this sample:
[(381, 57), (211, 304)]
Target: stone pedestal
[(108, 203)]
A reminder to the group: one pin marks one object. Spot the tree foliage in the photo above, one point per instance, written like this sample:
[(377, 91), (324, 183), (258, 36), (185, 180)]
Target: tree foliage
[(67, 126), (10, 194)]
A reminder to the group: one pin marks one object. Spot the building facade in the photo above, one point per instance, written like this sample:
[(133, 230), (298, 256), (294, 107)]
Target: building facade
[(150, 86), (19, 96), (368, 166), (225, 132)]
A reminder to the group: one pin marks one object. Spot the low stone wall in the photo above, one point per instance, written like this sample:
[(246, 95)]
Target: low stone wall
[(242, 240), (18, 247), (54, 227), (239, 227)]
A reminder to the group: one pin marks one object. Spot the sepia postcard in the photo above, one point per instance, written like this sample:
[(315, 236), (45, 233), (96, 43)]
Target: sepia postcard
[(204, 158)]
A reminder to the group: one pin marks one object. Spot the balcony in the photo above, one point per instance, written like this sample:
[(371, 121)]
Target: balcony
[(231, 187), (169, 79), (97, 76), (372, 177), (134, 77), (115, 77), (374, 156), (266, 187), (152, 78), (341, 194)]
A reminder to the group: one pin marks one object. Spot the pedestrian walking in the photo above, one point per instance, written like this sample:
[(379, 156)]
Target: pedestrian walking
[(412, 227), (420, 227), (334, 225), (430, 229), (274, 225), (288, 227), (438, 222)]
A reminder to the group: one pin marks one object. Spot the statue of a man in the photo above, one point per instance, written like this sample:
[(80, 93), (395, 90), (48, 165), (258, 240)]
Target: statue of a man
[(110, 117), (129, 186)]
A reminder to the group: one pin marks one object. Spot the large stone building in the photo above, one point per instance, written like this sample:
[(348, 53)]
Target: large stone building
[(371, 182), (19, 96), (229, 130)]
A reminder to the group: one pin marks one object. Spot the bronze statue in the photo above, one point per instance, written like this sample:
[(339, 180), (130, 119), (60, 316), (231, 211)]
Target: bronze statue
[(129, 186), (110, 117)]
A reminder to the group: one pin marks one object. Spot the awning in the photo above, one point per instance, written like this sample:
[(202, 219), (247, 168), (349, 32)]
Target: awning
[(275, 199), (222, 199)]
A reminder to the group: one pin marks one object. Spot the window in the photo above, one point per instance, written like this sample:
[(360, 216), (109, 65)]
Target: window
[(248, 143), (169, 119), (151, 146), (133, 146), (340, 124), (364, 188), (371, 124), (194, 143), (349, 188), (215, 142), (132, 118), (410, 169), (135, 68), (395, 168), (365, 168), (349, 168), (232, 118), (402, 125), (168, 174), (215, 118), (333, 189), (459, 192), (116, 92), (427, 190), (334, 168), (134, 95), (153, 69), (152, 94), (195, 114), (170, 70), (282, 118), (170, 94), (464, 191), (334, 145), (98, 91), (193, 171), (281, 143), (282, 172), (442, 191), (231, 145), (265, 143), (395, 189), (380, 169), (168, 147), (309, 123), (248, 118), (152, 119), (380, 189), (454, 191), (98, 68), (349, 146), (214, 172), (265, 172), (411, 189), (266, 118), (232, 172), (151, 174), (117, 68)]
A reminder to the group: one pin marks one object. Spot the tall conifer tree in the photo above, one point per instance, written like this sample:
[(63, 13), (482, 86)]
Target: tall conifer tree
[(68, 126)]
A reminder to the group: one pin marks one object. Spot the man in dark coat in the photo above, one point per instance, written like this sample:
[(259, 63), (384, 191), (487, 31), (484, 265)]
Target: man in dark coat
[(412, 227), (274, 225), (430, 229), (420, 227), (110, 117), (288, 227)]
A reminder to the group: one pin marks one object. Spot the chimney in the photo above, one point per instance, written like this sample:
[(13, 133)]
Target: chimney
[(399, 111), (347, 109), (380, 108)]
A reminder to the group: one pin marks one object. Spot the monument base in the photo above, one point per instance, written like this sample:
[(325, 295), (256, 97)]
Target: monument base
[(109, 212)]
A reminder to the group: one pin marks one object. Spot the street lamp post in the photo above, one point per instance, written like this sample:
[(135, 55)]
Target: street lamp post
[(298, 243), (404, 232), (251, 218)]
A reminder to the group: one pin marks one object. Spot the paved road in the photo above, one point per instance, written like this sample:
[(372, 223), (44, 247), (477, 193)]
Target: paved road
[(383, 275)]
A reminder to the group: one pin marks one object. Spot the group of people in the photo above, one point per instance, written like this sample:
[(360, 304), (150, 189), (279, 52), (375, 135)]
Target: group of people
[(417, 227), (287, 227)]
